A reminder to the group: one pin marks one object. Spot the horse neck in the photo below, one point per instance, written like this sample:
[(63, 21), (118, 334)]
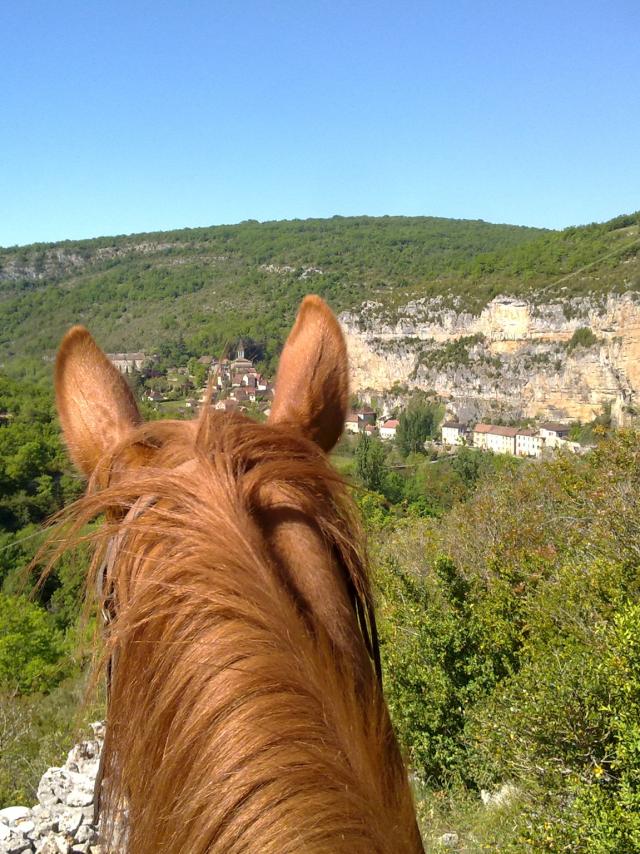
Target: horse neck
[(244, 712)]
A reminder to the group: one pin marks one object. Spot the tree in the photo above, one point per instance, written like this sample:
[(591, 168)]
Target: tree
[(417, 423), (31, 647), (370, 462)]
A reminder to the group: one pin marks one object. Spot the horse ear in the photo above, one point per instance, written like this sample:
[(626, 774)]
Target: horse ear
[(96, 406), (312, 384)]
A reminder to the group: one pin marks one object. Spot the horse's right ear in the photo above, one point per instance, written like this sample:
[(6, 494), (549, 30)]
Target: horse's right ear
[(312, 384), (96, 406)]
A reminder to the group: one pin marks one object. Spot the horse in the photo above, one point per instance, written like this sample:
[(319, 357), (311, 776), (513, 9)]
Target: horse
[(245, 711)]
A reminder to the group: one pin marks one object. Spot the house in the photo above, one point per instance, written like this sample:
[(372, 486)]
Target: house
[(529, 443), (369, 429), (355, 422), (226, 405), (352, 424), (554, 431), (491, 437), (126, 363), (366, 416), (388, 428), (454, 433)]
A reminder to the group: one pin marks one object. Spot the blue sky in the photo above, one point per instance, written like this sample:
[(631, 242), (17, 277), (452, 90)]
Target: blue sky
[(134, 116)]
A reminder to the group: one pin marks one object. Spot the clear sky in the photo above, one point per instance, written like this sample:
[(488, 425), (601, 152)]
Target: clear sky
[(117, 117)]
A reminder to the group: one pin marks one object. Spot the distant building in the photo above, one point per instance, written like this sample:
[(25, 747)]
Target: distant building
[(226, 405), (491, 437), (554, 430), (126, 363), (529, 443), (356, 422), (351, 424), (454, 433), (241, 364), (388, 429)]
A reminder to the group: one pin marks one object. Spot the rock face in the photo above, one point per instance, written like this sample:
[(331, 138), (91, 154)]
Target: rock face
[(515, 359), (62, 820)]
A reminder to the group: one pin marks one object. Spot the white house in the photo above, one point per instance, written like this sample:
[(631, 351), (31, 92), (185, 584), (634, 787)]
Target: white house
[(388, 429), (351, 424), (553, 430), (453, 433), (356, 422), (529, 443), (491, 437)]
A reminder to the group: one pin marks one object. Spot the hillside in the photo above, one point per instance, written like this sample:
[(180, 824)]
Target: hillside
[(414, 292), (211, 284)]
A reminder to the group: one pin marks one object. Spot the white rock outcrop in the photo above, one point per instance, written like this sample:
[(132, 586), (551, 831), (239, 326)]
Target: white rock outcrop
[(512, 359), (62, 822)]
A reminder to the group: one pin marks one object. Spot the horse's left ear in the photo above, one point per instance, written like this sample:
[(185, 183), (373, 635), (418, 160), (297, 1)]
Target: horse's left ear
[(312, 384), (96, 406)]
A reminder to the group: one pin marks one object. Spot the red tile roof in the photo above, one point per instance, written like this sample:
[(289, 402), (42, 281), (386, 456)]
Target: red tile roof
[(496, 430)]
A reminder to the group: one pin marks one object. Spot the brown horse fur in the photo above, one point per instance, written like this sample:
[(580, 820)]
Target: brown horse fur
[(245, 714)]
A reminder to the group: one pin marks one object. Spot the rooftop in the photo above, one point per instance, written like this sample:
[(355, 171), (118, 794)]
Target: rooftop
[(555, 426), (496, 430)]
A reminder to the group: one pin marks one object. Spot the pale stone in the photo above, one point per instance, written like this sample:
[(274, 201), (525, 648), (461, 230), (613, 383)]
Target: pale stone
[(11, 815), (384, 350)]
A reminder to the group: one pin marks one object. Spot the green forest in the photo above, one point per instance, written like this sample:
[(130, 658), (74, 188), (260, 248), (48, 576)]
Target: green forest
[(508, 590)]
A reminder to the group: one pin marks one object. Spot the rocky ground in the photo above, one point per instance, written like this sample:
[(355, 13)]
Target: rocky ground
[(62, 821)]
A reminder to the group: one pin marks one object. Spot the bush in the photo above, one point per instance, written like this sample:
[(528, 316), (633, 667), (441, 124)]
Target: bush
[(582, 337), (510, 634), (31, 648)]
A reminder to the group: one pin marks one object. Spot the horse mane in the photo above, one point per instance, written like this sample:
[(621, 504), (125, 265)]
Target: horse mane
[(243, 714)]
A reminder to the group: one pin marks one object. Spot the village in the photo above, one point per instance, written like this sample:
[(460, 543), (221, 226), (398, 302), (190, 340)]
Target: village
[(236, 385), (516, 441), (232, 384)]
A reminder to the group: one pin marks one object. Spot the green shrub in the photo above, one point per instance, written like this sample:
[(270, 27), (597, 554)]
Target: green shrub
[(31, 648), (582, 337)]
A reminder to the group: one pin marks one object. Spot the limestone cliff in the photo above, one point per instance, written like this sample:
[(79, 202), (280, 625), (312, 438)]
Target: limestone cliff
[(515, 359)]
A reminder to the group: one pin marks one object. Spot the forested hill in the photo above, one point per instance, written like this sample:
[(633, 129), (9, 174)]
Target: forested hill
[(202, 288)]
